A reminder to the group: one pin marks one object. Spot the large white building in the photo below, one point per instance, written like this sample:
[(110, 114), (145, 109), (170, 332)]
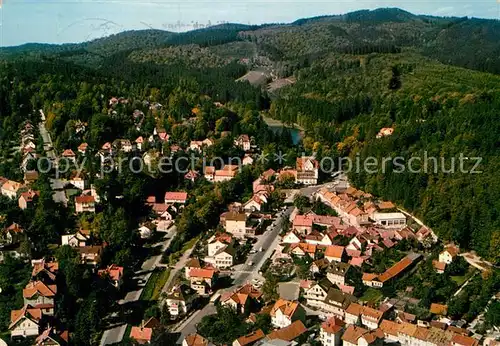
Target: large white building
[(390, 220)]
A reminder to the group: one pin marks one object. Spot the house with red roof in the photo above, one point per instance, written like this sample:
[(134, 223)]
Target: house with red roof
[(285, 312), (241, 299), (85, 204), (10, 188), (193, 263), (82, 148), (334, 253), (114, 273), (307, 171), (176, 197), (52, 337), (303, 249), (191, 175), (249, 339), (226, 173), (27, 199), (25, 322), (378, 280), (202, 280), (384, 132), (463, 340), (13, 234), (194, 340), (358, 336), (439, 266), (40, 296), (331, 332), (288, 333), (449, 253), (302, 224), (69, 155), (243, 141), (141, 334)]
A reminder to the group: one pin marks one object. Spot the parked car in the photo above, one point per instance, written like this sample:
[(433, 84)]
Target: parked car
[(250, 263), (261, 249)]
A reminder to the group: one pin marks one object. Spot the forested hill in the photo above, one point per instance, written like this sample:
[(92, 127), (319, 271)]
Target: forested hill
[(471, 43), (434, 80)]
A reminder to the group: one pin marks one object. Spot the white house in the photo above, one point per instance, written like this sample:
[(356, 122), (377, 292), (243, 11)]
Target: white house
[(247, 160), (291, 238), (307, 171), (390, 220), (78, 239), (448, 254), (243, 141), (40, 296), (254, 204), (218, 242), (25, 322), (235, 223), (178, 300), (146, 231), (85, 204), (316, 295), (331, 332), (224, 258), (285, 312), (10, 188), (371, 318), (176, 197), (78, 182), (337, 273)]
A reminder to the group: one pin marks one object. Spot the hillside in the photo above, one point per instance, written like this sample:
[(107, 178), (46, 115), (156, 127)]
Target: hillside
[(355, 74)]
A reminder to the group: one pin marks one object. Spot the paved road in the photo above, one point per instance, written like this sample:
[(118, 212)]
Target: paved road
[(115, 334), (180, 265), (57, 185), (245, 273), (47, 141), (268, 241)]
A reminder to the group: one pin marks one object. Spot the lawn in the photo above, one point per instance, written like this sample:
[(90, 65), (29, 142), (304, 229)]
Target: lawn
[(371, 295), (460, 280), (189, 244), (155, 284)]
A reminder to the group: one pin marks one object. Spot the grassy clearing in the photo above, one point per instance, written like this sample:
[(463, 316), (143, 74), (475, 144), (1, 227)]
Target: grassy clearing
[(155, 284), (189, 244), (371, 295), (460, 279)]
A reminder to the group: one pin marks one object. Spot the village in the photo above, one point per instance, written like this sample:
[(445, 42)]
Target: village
[(340, 257)]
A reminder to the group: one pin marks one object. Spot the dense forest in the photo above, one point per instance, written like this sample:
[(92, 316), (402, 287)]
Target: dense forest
[(355, 73)]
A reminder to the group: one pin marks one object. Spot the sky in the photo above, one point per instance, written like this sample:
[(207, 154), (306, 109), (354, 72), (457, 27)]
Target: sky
[(67, 21)]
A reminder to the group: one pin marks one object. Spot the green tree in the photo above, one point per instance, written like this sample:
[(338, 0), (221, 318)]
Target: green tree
[(492, 315)]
